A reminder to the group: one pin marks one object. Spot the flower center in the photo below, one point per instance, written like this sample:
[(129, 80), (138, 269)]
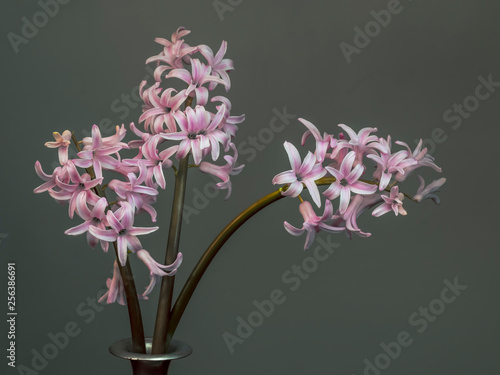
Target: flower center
[(122, 232), (194, 135), (344, 182)]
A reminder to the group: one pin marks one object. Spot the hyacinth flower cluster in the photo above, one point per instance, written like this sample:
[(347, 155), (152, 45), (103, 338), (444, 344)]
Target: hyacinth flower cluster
[(344, 163), (110, 181), (175, 124)]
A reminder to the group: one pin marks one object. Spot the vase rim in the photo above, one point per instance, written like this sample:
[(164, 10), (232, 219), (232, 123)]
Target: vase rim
[(176, 350)]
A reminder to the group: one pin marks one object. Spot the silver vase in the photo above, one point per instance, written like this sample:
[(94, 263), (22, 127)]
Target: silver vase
[(150, 364)]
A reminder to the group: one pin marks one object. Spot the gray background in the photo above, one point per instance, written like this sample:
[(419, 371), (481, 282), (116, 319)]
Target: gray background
[(286, 54)]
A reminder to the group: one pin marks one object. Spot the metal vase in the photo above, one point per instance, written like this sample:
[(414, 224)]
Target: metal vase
[(149, 364)]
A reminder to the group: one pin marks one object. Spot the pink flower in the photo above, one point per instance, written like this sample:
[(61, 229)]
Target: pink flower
[(82, 185), (346, 181), (224, 171), (389, 163), (122, 231), (229, 125), (219, 65), (159, 163), (358, 204), (426, 192), (60, 173), (97, 154), (116, 290), (62, 144), (322, 143), (200, 74), (312, 223), (112, 141), (199, 133), (174, 52), (96, 217), (133, 190), (359, 142), (301, 173), (158, 110), (157, 270), (421, 160), (392, 202)]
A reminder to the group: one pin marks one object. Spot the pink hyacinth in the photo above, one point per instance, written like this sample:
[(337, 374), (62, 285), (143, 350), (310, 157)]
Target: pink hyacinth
[(302, 173), (312, 223), (322, 142), (174, 52), (393, 202), (95, 217), (200, 75), (82, 185), (346, 181), (157, 270), (97, 154), (159, 107), (220, 66), (388, 163), (62, 144), (122, 231), (224, 171), (199, 133)]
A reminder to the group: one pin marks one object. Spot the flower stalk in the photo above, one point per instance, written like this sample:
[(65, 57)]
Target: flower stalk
[(160, 343)]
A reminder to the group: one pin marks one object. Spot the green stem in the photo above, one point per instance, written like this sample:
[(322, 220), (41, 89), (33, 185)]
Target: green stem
[(160, 342), (215, 246), (134, 309)]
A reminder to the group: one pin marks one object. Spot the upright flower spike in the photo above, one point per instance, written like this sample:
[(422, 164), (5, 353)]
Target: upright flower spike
[(312, 223), (62, 144), (346, 181), (301, 173)]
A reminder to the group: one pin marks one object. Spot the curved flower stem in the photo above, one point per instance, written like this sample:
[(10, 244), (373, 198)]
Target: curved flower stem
[(160, 343), (134, 309), (215, 246), (202, 265)]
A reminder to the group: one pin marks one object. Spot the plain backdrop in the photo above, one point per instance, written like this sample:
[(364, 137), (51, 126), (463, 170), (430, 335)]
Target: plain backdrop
[(407, 79)]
